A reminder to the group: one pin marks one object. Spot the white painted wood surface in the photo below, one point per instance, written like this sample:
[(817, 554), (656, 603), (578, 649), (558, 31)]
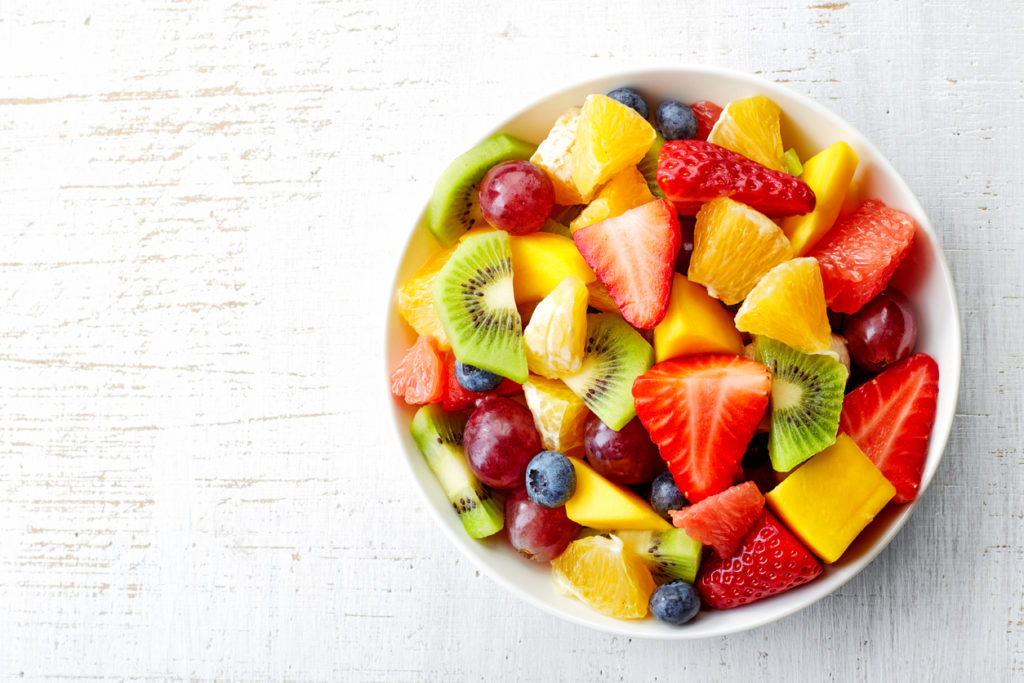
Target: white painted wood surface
[(200, 206)]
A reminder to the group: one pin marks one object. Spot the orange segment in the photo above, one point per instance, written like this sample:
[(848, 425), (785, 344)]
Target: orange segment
[(557, 332), (603, 573), (416, 299), (558, 414), (627, 190), (694, 323), (733, 246), (554, 155), (828, 173), (610, 137), (788, 305), (600, 298), (751, 127)]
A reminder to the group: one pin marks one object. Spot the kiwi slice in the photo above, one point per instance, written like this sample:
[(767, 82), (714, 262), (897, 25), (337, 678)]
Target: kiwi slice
[(670, 554), (614, 356), (475, 302), (455, 207), (807, 398), (439, 437), (648, 166)]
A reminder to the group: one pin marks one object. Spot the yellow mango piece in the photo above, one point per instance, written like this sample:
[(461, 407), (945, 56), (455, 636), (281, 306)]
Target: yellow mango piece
[(695, 322), (610, 137), (852, 199), (751, 127), (416, 299), (557, 332), (828, 173), (540, 261), (554, 155), (788, 305), (601, 504), (830, 499), (558, 414), (733, 246), (627, 190)]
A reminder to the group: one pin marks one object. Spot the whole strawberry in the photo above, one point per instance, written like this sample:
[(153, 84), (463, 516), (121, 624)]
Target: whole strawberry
[(769, 561), (692, 172)]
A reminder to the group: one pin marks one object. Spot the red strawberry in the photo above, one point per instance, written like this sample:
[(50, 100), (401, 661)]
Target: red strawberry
[(457, 398), (692, 172), (702, 412), (891, 419), (634, 255), (707, 116), (860, 253), (723, 519), (419, 377), (769, 561)]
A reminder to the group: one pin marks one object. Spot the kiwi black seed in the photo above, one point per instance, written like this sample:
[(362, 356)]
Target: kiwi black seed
[(476, 304), (807, 398), (615, 355), (455, 206), (438, 435)]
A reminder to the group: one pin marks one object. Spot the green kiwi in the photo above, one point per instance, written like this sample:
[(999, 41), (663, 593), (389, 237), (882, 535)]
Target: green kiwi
[(807, 398), (670, 554), (454, 207), (439, 437), (475, 302), (614, 356), (648, 166)]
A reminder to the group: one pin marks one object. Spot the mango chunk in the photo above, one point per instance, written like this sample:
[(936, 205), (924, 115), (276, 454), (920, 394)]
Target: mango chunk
[(695, 322), (601, 504), (540, 261), (828, 173), (554, 155), (627, 190), (831, 498)]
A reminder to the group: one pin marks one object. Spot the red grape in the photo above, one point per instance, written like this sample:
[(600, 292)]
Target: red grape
[(538, 533), (500, 440), (882, 332), (517, 196), (627, 456), (686, 225)]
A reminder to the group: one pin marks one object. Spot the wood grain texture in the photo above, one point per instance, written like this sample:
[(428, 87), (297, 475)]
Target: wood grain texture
[(201, 204)]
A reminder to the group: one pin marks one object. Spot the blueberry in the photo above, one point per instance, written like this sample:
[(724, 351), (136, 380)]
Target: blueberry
[(675, 121), (675, 602), (631, 98), (472, 378), (550, 479), (665, 495)]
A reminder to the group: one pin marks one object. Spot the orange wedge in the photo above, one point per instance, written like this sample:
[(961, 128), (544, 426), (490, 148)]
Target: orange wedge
[(788, 305), (751, 127), (605, 574), (416, 299)]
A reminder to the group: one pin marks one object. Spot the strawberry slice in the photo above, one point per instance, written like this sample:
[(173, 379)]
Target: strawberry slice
[(723, 519), (707, 114), (633, 255), (692, 172), (419, 377), (702, 412), (769, 561), (456, 397), (859, 254), (891, 419)]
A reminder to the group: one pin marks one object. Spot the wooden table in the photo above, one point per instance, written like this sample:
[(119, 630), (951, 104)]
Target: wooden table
[(201, 204)]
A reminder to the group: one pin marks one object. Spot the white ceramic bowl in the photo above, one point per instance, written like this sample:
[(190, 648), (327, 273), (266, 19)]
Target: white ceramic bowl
[(924, 278)]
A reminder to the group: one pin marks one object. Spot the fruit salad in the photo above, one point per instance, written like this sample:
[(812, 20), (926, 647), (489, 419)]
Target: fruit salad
[(660, 353)]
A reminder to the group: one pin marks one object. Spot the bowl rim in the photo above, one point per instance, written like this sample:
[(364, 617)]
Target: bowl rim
[(951, 375)]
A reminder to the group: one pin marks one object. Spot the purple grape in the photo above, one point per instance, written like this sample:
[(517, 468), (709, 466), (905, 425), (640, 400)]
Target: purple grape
[(627, 456), (538, 533), (500, 440), (883, 332), (517, 197)]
